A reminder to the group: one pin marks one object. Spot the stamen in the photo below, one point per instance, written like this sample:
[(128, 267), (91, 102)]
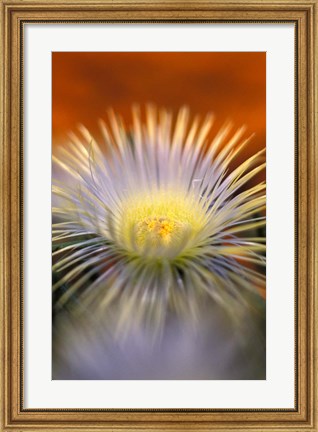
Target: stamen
[(157, 229)]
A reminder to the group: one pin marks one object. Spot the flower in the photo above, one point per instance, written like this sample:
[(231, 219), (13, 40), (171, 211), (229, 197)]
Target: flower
[(154, 220)]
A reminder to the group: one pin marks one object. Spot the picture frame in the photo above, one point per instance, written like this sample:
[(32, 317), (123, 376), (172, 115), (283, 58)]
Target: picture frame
[(14, 416)]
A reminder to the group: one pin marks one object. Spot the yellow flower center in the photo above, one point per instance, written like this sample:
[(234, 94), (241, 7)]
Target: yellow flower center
[(157, 229), (156, 223)]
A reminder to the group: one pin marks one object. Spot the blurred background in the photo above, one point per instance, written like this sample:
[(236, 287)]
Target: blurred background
[(233, 87)]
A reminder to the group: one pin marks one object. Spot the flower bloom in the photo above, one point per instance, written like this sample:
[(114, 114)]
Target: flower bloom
[(155, 219)]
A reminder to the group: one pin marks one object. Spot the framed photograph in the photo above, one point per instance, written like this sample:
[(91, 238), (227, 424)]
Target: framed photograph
[(159, 208)]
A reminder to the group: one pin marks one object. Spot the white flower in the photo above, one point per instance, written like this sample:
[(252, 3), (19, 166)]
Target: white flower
[(155, 220)]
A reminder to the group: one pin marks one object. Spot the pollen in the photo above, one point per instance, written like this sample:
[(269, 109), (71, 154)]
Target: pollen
[(157, 229)]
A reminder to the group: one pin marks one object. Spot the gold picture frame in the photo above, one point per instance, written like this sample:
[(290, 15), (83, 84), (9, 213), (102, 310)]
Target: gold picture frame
[(14, 14)]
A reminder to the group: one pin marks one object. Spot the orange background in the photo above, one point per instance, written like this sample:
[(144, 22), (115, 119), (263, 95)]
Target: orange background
[(232, 85)]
